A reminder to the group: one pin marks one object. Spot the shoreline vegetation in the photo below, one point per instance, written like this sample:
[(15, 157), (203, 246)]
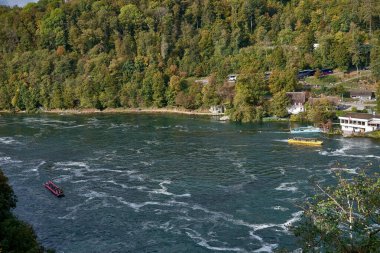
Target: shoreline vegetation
[(120, 110), (15, 235)]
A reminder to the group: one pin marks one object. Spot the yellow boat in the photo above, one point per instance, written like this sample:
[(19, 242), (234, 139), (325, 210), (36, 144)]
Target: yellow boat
[(305, 141)]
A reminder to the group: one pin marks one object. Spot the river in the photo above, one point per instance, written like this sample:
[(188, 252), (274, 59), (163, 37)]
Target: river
[(167, 183)]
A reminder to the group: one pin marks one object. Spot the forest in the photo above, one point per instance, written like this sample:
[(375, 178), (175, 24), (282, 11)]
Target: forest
[(58, 54)]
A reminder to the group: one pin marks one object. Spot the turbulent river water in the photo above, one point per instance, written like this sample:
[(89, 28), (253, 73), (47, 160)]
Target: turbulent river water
[(166, 183)]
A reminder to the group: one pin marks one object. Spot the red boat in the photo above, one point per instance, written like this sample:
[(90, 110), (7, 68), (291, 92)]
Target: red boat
[(58, 192)]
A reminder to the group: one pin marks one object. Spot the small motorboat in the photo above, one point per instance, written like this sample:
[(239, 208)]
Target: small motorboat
[(58, 192), (305, 141), (304, 130)]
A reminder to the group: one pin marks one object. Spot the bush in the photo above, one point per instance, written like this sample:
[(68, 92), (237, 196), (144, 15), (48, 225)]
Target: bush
[(343, 218), (15, 236)]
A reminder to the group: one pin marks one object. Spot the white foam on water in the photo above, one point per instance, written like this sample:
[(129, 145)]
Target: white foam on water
[(255, 227), (8, 160), (81, 181), (8, 140), (280, 208), (138, 151), (238, 164), (77, 168), (287, 187), (164, 190), (5, 158), (72, 164), (137, 206), (47, 121), (152, 142), (94, 194), (146, 163), (227, 217), (182, 128), (62, 178), (73, 210), (104, 170), (350, 171), (121, 125), (162, 127), (205, 243), (124, 186), (252, 177), (265, 247), (35, 168), (140, 178), (342, 152), (75, 126), (305, 169), (295, 217)]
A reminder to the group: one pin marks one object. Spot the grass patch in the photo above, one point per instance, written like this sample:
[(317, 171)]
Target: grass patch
[(374, 134), (325, 80)]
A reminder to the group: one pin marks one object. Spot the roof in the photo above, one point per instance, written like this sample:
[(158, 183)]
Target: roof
[(361, 116), (297, 97), (331, 99), (361, 93)]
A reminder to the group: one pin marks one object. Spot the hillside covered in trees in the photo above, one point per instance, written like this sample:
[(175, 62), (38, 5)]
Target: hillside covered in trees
[(130, 53)]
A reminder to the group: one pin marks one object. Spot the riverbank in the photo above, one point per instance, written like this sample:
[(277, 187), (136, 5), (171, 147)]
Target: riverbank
[(123, 110)]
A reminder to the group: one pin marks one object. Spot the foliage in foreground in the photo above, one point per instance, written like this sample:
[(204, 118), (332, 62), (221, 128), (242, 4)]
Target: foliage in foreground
[(344, 218), (15, 236)]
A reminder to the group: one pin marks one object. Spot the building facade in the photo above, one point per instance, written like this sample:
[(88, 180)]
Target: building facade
[(362, 95), (356, 123), (297, 102)]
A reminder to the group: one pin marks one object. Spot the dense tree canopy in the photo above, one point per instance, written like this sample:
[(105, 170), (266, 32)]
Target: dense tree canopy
[(125, 53)]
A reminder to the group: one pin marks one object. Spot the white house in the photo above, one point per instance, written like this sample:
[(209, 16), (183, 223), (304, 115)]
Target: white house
[(354, 123), (217, 109), (298, 100), (362, 94), (232, 77)]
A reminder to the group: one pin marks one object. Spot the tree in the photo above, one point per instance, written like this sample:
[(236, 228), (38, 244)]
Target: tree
[(343, 218), (375, 57), (209, 92), (283, 80), (173, 89), (15, 236), (341, 56), (279, 104), (130, 17), (7, 197), (52, 29), (320, 111), (250, 92)]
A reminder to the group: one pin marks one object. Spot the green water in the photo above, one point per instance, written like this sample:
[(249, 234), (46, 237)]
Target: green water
[(166, 183)]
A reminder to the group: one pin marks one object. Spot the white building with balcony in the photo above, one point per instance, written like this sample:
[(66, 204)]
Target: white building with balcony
[(355, 123)]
